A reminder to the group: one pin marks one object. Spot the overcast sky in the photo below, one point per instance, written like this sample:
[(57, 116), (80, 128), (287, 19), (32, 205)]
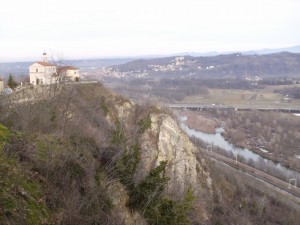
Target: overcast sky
[(97, 28)]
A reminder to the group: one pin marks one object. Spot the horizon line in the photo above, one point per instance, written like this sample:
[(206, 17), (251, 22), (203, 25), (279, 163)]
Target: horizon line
[(184, 53)]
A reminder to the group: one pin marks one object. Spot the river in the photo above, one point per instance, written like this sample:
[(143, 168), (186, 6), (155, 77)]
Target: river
[(218, 140)]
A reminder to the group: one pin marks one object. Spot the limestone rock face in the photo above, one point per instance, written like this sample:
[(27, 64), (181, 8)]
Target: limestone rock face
[(124, 110), (165, 141)]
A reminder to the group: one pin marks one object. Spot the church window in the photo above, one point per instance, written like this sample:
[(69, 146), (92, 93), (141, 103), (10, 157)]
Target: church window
[(36, 70)]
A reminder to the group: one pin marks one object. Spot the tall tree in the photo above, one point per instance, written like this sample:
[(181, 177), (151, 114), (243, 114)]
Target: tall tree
[(11, 82)]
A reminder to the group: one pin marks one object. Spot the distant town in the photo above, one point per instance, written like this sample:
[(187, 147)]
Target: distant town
[(279, 68)]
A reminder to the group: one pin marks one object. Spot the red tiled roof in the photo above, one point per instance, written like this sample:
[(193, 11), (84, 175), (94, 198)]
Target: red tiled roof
[(45, 64), (68, 68)]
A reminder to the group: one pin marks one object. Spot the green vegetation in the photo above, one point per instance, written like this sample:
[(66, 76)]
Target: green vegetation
[(66, 166), (61, 163), (68, 160), (48, 145), (74, 187), (150, 189), (118, 134), (101, 182), (127, 165), (104, 106), (168, 211), (20, 195), (144, 124), (11, 82), (75, 170), (147, 197), (60, 148), (4, 134)]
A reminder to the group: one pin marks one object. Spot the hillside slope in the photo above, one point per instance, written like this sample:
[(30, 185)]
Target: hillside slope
[(85, 155), (101, 156), (278, 64)]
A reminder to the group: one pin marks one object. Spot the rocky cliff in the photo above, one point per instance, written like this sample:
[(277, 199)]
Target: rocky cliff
[(102, 158), (84, 155), (166, 142)]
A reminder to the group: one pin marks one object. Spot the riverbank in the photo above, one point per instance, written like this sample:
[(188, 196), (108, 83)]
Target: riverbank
[(201, 122), (274, 136), (216, 144)]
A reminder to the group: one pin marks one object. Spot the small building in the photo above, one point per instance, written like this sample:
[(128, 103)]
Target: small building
[(42, 72), (69, 73)]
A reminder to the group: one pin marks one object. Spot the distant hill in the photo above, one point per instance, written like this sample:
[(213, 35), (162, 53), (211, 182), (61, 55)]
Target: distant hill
[(293, 49), (278, 64), (266, 62)]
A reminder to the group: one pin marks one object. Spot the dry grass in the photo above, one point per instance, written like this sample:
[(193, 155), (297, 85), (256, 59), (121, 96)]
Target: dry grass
[(260, 97)]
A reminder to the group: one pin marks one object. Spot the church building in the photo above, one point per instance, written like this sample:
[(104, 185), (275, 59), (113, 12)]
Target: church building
[(43, 72)]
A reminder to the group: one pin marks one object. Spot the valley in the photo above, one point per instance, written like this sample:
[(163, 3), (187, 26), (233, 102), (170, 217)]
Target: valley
[(117, 140), (150, 112)]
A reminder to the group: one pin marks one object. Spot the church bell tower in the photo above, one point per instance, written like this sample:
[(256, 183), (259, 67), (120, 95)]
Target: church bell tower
[(45, 57)]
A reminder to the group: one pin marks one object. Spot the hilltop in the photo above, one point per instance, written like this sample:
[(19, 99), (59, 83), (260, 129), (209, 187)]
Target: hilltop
[(22, 68), (81, 154), (94, 157), (234, 65), (261, 63)]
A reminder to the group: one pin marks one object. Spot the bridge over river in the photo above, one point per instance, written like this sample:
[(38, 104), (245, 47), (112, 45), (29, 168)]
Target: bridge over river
[(200, 107)]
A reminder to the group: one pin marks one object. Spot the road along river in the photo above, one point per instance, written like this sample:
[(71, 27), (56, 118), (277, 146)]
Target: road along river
[(218, 140)]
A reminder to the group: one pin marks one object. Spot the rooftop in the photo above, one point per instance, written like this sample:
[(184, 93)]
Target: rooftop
[(68, 68), (45, 63)]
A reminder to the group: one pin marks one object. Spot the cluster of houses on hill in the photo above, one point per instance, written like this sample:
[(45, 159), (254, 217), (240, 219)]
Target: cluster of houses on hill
[(43, 72)]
